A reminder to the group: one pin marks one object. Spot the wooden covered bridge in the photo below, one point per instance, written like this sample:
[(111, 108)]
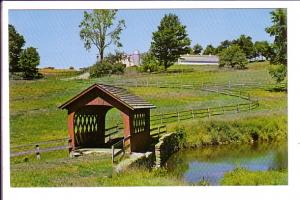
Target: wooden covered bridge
[(88, 109)]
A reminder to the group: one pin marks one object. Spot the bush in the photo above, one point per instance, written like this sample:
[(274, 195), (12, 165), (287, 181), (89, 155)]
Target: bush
[(149, 63), (234, 57), (278, 72), (105, 68)]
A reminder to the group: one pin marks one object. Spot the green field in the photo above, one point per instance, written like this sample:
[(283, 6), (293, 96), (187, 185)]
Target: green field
[(35, 117)]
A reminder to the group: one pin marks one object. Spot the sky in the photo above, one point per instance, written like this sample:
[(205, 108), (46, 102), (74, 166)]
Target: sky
[(55, 33)]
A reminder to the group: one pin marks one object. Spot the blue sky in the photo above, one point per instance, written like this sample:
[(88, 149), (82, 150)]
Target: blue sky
[(56, 33)]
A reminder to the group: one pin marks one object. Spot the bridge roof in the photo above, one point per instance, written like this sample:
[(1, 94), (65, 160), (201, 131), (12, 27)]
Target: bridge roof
[(121, 95)]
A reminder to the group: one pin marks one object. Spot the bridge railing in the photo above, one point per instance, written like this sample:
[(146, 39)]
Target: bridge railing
[(119, 148)]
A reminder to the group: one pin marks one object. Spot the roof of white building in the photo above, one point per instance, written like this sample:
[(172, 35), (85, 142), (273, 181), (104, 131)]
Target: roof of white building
[(199, 58)]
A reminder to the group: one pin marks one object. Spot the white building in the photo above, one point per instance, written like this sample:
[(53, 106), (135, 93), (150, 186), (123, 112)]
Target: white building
[(198, 60), (132, 59)]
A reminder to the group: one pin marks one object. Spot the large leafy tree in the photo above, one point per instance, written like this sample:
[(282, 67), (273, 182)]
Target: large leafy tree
[(263, 48), (197, 49), (99, 28), (209, 50), (233, 56), (246, 44), (279, 31), (279, 56), (170, 40), (29, 60), (223, 45), (16, 42)]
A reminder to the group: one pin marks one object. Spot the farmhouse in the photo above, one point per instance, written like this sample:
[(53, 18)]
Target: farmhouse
[(87, 111), (198, 60), (132, 59)]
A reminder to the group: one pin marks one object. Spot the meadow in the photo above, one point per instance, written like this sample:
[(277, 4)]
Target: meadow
[(35, 117)]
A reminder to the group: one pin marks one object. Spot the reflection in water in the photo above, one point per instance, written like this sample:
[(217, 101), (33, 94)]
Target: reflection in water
[(210, 163)]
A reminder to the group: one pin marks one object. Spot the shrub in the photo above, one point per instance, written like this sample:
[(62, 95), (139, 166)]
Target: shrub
[(278, 72), (233, 57), (104, 68), (149, 63)]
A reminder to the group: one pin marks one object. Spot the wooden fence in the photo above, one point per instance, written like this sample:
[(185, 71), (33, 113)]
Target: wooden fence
[(164, 118), (53, 145), (198, 85), (119, 148)]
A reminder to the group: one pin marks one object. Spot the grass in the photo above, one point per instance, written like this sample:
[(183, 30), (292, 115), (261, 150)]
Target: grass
[(82, 171), (242, 176), (230, 130), (34, 116), (87, 171)]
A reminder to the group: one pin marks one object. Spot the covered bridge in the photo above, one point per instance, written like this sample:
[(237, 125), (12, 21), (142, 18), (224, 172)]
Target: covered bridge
[(87, 111)]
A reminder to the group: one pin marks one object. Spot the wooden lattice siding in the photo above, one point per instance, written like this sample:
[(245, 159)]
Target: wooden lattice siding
[(85, 124), (139, 122)]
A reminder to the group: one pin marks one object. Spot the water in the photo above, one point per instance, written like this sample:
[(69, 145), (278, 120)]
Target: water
[(211, 163)]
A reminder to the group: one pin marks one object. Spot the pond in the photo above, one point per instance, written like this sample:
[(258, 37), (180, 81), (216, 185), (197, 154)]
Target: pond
[(211, 163)]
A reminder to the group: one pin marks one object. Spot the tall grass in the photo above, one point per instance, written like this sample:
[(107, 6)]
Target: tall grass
[(244, 177), (224, 131)]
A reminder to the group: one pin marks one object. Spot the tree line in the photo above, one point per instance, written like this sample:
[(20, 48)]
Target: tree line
[(22, 62), (100, 29), (171, 40)]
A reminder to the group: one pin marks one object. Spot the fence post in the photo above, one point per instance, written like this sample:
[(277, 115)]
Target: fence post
[(161, 118), (238, 108), (71, 152), (223, 110), (208, 112), (147, 83), (112, 154), (37, 152), (229, 85), (123, 148), (249, 97)]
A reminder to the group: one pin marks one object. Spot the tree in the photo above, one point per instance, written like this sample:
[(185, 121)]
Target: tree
[(16, 42), (223, 45), (246, 44), (97, 28), (279, 31), (170, 40), (197, 49), (114, 58), (263, 48), (149, 62), (29, 60), (209, 50), (233, 57)]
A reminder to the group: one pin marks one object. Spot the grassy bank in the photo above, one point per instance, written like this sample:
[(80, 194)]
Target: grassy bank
[(224, 131), (245, 177), (85, 171)]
